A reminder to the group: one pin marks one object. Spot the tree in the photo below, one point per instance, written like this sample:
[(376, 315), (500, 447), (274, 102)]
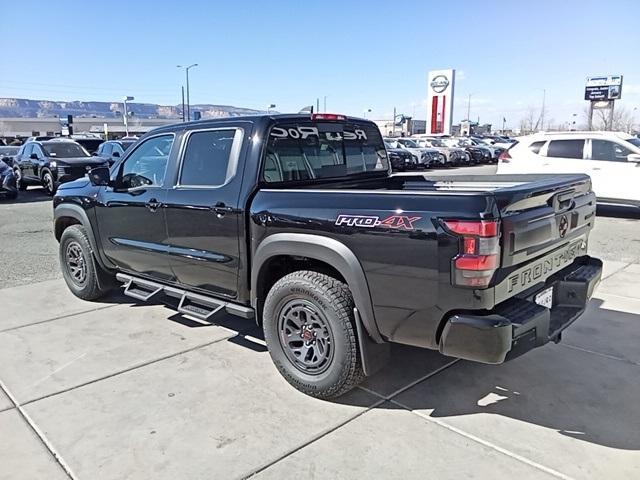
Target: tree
[(527, 122), (622, 119)]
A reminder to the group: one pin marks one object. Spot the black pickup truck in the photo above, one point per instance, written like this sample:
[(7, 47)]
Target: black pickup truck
[(296, 222)]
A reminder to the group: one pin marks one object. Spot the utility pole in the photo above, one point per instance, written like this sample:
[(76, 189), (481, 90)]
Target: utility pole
[(183, 104), (186, 68), (325, 104), (317, 104), (469, 107), (590, 121), (611, 104), (393, 122), (126, 99)]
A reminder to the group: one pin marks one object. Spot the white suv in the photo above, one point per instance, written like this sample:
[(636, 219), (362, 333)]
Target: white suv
[(611, 159)]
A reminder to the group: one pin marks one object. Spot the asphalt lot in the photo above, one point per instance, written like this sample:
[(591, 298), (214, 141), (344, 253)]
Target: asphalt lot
[(120, 390)]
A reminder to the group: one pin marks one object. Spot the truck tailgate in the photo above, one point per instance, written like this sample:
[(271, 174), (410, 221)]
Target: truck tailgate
[(540, 216)]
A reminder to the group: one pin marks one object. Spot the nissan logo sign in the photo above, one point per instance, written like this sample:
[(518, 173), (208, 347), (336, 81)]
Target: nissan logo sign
[(439, 83)]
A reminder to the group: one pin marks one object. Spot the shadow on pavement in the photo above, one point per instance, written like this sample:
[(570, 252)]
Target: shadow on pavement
[(581, 395), (32, 195)]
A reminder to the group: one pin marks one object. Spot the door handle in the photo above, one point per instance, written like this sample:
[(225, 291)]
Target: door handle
[(153, 205), (221, 209)]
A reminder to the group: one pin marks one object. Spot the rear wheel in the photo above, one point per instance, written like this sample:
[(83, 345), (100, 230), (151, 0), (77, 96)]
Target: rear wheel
[(311, 334), (79, 268), (19, 182)]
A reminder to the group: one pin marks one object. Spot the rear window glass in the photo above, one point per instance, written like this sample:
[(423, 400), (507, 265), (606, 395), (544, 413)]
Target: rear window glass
[(565, 148), (307, 151), (206, 158), (536, 146)]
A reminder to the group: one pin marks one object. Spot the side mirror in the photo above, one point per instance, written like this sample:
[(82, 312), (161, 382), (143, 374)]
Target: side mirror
[(100, 177), (115, 154), (33, 156), (633, 157)]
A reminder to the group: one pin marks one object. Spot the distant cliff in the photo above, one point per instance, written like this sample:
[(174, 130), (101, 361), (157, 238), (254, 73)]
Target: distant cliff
[(21, 107)]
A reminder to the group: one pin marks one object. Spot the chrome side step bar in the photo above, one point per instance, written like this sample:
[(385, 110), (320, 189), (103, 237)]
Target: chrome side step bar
[(195, 305)]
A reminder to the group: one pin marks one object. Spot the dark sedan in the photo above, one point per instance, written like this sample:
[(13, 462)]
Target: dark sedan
[(8, 184)]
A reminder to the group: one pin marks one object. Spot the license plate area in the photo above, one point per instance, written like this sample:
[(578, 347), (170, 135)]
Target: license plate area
[(545, 298)]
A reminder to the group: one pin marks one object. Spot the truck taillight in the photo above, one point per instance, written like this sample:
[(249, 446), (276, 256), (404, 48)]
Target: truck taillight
[(504, 157), (479, 251)]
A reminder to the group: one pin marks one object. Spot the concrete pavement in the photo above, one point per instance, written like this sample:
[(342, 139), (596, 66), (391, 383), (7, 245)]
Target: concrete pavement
[(117, 390)]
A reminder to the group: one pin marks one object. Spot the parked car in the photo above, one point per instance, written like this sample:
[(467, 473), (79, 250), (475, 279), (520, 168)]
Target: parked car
[(427, 157), (113, 150), (454, 156), (39, 138), (89, 141), (611, 159), (7, 153), (479, 154), (295, 222), (52, 162), (8, 185), (400, 159)]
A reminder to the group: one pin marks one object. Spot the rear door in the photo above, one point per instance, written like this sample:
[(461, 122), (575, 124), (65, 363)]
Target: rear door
[(564, 156), (203, 210)]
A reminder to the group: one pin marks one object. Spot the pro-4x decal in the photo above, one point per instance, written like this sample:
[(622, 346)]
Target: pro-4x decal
[(401, 222)]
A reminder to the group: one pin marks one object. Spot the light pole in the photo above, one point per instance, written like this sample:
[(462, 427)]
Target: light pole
[(186, 69), (368, 110), (126, 99), (469, 106)]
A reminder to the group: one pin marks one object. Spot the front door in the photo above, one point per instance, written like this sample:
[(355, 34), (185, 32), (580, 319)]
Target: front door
[(131, 218), (612, 175), (203, 211)]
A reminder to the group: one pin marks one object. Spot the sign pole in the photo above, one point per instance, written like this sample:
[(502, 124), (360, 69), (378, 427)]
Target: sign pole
[(590, 119), (611, 115)]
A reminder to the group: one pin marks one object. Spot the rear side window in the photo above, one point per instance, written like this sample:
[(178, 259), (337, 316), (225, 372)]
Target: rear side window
[(308, 150), (207, 158), (565, 148), (536, 146)]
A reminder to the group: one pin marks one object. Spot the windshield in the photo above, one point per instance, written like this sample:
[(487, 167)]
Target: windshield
[(308, 150), (409, 143), (634, 141), (435, 142), (64, 150), (8, 151)]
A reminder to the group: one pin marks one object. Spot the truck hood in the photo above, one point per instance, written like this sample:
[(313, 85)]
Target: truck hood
[(79, 161)]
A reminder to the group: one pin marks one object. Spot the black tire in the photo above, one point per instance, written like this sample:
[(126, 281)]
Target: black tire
[(79, 268), (49, 183), (329, 301)]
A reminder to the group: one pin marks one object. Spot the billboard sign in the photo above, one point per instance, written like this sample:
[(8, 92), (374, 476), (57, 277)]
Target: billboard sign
[(440, 88), (603, 87)]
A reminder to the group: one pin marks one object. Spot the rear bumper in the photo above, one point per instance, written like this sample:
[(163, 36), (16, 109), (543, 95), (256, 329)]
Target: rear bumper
[(518, 325)]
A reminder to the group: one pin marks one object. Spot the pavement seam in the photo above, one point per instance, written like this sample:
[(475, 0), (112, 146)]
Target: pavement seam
[(600, 293), (383, 399), (469, 436), (313, 439), (39, 433), (103, 307), (129, 369), (614, 272), (600, 354), (486, 443)]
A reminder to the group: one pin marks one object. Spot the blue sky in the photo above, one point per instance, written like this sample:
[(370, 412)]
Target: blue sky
[(360, 54)]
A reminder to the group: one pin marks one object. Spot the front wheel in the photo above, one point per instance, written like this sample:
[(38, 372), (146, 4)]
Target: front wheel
[(311, 334), (49, 184), (79, 268)]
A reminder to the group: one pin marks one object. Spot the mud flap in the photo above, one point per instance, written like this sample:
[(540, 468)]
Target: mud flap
[(374, 355)]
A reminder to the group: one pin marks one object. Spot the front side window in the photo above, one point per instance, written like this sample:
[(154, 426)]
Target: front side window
[(146, 166), (106, 149), (206, 160), (609, 151), (565, 148), (316, 150)]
